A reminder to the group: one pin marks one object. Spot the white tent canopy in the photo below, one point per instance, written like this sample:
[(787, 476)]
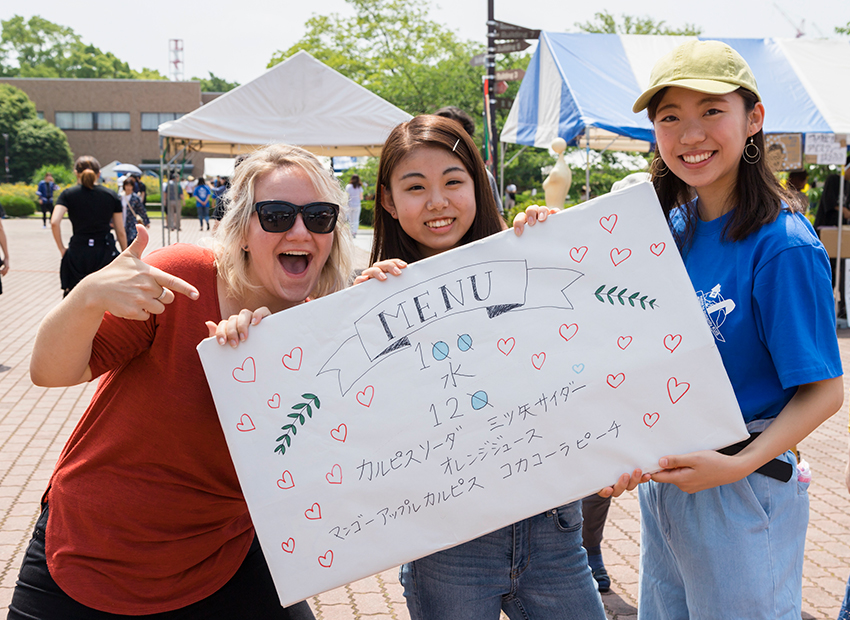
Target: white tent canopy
[(300, 101)]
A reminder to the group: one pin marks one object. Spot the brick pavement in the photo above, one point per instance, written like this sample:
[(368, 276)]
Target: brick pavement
[(35, 423)]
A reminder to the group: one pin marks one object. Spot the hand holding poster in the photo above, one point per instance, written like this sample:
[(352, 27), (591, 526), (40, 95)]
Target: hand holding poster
[(480, 387)]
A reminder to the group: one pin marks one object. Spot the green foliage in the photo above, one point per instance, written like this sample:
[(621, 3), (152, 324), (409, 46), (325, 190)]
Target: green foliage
[(392, 48), (190, 206), (62, 175), (44, 49), (299, 409), (15, 106), (604, 22), (215, 84), (17, 206), (843, 29), (36, 143), (611, 295)]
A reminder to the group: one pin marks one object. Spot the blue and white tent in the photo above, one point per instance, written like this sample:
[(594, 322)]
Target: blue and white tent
[(581, 87)]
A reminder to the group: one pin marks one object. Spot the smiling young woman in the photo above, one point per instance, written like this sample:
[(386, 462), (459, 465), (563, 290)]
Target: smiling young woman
[(725, 531)]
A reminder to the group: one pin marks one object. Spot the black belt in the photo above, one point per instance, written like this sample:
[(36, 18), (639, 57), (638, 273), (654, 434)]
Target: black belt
[(776, 469)]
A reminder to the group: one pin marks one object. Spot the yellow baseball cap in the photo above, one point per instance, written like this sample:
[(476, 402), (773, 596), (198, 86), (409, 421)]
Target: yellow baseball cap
[(705, 66)]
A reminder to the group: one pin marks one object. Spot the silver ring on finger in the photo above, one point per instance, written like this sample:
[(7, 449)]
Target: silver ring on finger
[(162, 294)]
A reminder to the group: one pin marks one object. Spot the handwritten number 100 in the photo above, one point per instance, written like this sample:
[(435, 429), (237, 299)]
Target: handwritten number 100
[(454, 414)]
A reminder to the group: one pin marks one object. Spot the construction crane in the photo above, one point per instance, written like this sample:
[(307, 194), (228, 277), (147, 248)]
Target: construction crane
[(799, 29)]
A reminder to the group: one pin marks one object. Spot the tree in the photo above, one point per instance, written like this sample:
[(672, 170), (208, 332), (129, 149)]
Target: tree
[(215, 84), (15, 106), (843, 29), (36, 143), (392, 48), (604, 22), (44, 49)]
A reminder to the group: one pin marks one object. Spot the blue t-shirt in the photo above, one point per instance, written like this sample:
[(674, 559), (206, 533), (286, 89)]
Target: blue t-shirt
[(202, 193), (768, 301)]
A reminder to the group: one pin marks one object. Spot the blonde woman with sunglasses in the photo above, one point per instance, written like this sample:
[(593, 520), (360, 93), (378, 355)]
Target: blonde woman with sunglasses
[(144, 514)]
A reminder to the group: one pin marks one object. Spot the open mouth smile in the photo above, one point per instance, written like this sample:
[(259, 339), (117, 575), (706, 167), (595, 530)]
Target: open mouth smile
[(295, 262)]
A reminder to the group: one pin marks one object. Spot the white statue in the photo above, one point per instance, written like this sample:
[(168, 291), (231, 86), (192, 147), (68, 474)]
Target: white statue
[(557, 184)]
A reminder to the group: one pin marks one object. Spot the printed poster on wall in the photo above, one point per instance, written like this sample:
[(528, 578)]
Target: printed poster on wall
[(482, 386)]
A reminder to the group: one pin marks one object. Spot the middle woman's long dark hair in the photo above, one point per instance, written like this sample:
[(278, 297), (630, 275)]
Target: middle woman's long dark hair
[(757, 199), (390, 240)]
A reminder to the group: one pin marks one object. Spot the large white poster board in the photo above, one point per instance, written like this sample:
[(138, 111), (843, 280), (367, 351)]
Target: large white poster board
[(481, 386)]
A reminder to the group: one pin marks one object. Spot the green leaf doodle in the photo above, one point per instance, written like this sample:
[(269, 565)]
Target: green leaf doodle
[(611, 295), (291, 430)]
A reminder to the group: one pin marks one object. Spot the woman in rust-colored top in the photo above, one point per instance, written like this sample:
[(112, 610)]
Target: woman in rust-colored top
[(144, 514)]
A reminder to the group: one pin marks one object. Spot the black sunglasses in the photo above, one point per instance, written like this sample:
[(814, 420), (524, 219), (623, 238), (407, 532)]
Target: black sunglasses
[(277, 216)]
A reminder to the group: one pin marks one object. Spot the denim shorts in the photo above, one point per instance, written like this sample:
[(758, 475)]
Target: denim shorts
[(711, 554), (535, 569)]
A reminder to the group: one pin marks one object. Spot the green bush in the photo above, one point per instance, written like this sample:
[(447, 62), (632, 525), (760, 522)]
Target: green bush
[(367, 212), (62, 175), (17, 206), (36, 143), (190, 206)]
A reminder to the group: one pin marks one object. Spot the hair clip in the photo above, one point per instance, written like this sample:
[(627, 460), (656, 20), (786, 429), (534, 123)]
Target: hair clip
[(455, 146)]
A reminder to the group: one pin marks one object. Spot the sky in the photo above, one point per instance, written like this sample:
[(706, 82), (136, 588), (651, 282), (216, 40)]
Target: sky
[(235, 40)]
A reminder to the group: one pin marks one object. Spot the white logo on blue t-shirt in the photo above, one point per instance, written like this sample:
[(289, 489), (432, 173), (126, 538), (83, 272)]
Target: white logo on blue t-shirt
[(715, 308)]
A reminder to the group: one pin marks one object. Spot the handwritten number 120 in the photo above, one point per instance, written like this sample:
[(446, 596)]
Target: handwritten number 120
[(454, 415)]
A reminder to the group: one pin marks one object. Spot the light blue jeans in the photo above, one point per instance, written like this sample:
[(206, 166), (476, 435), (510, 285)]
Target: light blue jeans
[(844, 614), (715, 553), (535, 569)]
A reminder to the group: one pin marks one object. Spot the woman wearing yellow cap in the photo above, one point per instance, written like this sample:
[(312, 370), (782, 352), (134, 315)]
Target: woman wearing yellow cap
[(723, 532)]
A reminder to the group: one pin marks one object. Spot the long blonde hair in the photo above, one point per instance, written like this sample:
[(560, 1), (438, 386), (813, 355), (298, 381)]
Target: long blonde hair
[(233, 262)]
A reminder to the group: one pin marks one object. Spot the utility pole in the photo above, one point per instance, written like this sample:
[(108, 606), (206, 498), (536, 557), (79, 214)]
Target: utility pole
[(490, 92)]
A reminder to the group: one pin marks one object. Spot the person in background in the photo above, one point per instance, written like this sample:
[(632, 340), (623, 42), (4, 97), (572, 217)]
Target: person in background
[(465, 120), (134, 211), (141, 190), (202, 195), (354, 189), (45, 190), (92, 209), (798, 182), (173, 198), (4, 259)]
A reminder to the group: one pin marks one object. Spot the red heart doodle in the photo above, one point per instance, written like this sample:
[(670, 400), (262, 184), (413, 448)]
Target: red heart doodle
[(288, 545), (657, 248), (618, 256), (616, 381), (577, 254), (568, 331), (247, 372), (538, 360), (334, 476), (609, 222), (245, 423), (340, 433), (274, 401), (506, 345), (286, 481), (650, 419), (624, 341), (326, 560), (292, 360), (365, 396), (315, 512), (671, 341), (676, 390)]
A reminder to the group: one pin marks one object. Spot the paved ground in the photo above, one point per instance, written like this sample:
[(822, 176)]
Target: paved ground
[(35, 422)]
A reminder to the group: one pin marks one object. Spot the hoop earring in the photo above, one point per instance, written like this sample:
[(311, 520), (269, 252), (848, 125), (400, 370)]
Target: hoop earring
[(655, 168), (750, 157)]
